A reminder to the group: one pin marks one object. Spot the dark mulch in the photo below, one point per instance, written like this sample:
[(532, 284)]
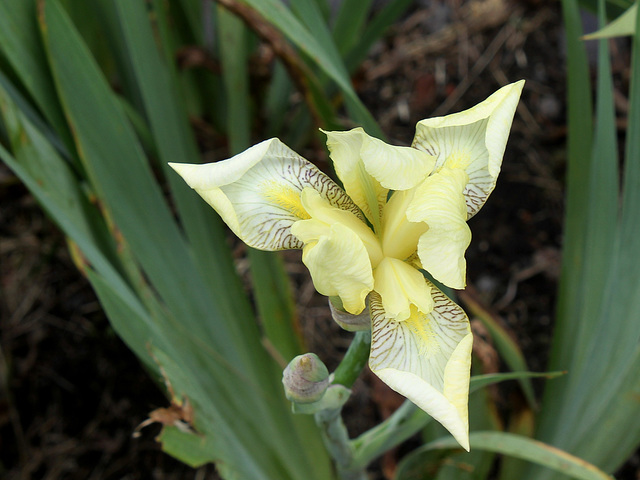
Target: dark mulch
[(72, 393)]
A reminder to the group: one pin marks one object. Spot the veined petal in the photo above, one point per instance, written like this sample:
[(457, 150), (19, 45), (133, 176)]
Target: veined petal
[(427, 358), (323, 214), (474, 139), (257, 192), (338, 262), (401, 286), (439, 202), (364, 190)]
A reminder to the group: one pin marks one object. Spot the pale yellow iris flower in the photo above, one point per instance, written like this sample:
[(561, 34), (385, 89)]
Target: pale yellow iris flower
[(404, 209)]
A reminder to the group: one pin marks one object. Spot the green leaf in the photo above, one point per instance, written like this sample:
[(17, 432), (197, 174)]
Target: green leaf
[(621, 27), (390, 13), (421, 460), (323, 55), (275, 303), (409, 419), (349, 23), (21, 45), (570, 311), (508, 348), (190, 448), (172, 134)]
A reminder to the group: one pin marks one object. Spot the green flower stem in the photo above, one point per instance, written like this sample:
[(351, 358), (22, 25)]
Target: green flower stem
[(354, 360), (336, 439), (405, 422), (334, 433)]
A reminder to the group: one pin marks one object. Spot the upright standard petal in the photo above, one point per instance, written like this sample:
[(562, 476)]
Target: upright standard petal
[(474, 139), (396, 168), (427, 358), (257, 192), (364, 190), (439, 202)]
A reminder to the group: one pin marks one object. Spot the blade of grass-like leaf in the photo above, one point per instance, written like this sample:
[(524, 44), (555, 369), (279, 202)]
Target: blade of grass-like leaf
[(117, 168), (508, 348), (119, 172), (349, 23), (279, 15), (175, 142), (630, 227), (570, 298), (507, 444), (190, 448), (56, 187), (21, 45), (591, 347), (615, 340), (33, 116), (624, 25), (275, 304), (277, 102), (391, 11), (408, 420), (233, 52), (620, 421), (269, 279)]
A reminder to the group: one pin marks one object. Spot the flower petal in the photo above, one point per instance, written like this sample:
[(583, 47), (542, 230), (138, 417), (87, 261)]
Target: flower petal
[(399, 236), (439, 202), (338, 262), (364, 190), (474, 139), (396, 168), (427, 358), (323, 214), (348, 321), (400, 286), (257, 192), (369, 167)]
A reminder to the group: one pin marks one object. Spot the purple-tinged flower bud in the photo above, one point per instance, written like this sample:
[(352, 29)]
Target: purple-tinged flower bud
[(305, 379)]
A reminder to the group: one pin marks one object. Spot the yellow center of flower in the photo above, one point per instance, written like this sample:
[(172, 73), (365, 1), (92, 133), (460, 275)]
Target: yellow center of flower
[(285, 197), (420, 325)]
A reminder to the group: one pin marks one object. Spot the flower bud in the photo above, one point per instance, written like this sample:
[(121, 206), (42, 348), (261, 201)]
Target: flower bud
[(305, 379), (348, 321)]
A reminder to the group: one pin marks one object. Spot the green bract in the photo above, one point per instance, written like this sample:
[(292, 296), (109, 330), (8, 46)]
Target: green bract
[(402, 209)]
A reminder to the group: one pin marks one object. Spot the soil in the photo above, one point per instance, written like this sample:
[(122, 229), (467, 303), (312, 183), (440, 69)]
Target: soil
[(72, 393)]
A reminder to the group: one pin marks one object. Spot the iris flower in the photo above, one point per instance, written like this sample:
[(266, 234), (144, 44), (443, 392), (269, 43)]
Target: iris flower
[(402, 210)]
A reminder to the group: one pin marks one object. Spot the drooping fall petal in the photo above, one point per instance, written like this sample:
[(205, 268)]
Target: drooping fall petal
[(337, 251), (339, 265), (426, 358), (257, 192), (474, 140)]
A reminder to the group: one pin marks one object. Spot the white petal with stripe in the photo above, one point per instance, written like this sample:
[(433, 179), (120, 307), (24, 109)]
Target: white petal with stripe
[(474, 139), (257, 192), (427, 358)]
